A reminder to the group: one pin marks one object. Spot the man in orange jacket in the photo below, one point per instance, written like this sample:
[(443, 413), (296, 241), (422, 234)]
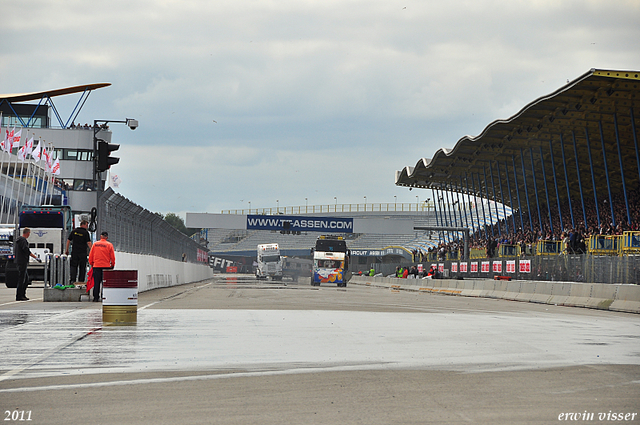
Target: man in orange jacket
[(102, 256)]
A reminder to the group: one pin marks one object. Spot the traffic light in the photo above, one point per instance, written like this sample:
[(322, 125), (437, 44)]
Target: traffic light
[(104, 159)]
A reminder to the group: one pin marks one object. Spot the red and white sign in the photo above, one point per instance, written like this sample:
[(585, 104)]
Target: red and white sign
[(463, 267), (525, 266), (511, 266), (474, 267), (420, 268), (454, 267), (497, 266), (441, 267), (486, 266)]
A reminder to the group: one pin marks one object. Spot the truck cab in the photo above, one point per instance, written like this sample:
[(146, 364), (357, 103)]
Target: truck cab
[(269, 262), (50, 226)]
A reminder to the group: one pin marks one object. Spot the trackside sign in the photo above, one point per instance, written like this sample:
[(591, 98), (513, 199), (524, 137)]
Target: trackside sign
[(300, 224)]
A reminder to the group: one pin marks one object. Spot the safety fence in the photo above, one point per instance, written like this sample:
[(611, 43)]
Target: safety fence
[(136, 230), (565, 268)]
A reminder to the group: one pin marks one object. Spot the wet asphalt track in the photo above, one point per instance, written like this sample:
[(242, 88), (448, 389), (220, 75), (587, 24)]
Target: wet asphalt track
[(234, 350)]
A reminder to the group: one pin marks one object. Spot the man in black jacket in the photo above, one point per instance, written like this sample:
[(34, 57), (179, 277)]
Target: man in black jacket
[(22, 254), (81, 244)]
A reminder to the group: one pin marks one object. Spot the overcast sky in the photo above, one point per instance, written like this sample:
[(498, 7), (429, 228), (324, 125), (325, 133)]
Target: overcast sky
[(263, 101)]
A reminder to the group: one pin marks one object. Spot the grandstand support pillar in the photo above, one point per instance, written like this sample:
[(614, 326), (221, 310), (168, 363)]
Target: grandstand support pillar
[(575, 150), (483, 229), (466, 181), (566, 180), (483, 210), (526, 191), (546, 189), (515, 178), (555, 182), (624, 186), (464, 204), (464, 230), (486, 189), (635, 139), (535, 189), (504, 208), (513, 216), (606, 168), (459, 208), (593, 176), (438, 199), (435, 203), (448, 203), (493, 188)]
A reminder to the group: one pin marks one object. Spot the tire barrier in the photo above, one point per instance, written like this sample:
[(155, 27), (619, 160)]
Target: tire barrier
[(614, 297)]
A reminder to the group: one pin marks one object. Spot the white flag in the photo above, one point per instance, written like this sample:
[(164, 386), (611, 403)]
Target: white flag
[(16, 139), (55, 169), (7, 143), (37, 152), (114, 181)]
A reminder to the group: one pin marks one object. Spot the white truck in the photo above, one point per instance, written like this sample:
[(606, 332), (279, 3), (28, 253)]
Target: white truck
[(269, 262), (50, 227)]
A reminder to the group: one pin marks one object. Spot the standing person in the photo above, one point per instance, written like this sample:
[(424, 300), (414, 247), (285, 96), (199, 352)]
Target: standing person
[(81, 241), (102, 256), (22, 254)]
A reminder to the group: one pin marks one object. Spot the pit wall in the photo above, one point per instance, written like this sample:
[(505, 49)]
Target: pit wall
[(156, 272), (615, 297)]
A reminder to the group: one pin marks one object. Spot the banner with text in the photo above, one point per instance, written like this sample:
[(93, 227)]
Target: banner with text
[(300, 224)]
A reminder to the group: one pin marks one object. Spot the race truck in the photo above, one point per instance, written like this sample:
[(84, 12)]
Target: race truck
[(330, 261), (50, 226), (269, 262)]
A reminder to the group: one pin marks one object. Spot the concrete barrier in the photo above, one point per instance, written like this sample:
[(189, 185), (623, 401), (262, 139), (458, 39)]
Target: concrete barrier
[(62, 295), (625, 298), (156, 272)]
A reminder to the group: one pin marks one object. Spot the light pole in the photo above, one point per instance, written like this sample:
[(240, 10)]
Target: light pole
[(365, 203), (277, 206), (417, 202), (97, 178), (249, 206)]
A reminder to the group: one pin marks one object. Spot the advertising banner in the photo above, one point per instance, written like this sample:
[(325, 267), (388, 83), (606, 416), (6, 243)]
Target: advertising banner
[(474, 267), (511, 266), (300, 224), (497, 266), (525, 266)]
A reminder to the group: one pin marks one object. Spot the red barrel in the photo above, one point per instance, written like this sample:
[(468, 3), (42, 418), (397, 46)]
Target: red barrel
[(119, 297)]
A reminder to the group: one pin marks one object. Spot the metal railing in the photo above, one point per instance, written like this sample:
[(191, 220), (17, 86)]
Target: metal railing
[(136, 230), (336, 208)]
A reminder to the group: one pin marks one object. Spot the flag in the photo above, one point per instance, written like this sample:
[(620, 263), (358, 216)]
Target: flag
[(46, 158), (16, 139), (25, 150), (114, 181), (7, 143), (55, 169), (37, 152)]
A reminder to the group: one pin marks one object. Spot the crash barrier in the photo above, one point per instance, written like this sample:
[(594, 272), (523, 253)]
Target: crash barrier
[(119, 297), (614, 297), (564, 268), (156, 272), (136, 230)]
